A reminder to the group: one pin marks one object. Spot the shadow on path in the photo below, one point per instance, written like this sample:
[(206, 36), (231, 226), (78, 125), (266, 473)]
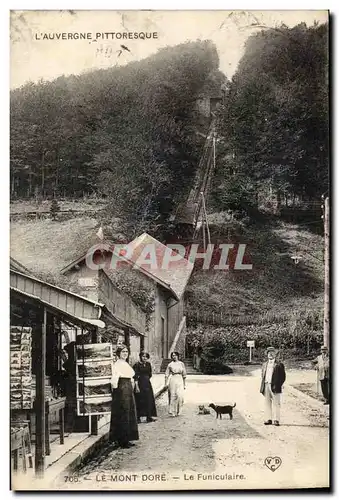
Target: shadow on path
[(174, 443), (304, 425)]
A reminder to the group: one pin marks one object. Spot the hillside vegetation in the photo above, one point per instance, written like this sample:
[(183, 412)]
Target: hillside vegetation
[(275, 284), (45, 246), (127, 133), (272, 166), (274, 123)]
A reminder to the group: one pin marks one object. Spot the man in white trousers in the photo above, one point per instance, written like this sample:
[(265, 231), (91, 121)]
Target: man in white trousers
[(273, 377)]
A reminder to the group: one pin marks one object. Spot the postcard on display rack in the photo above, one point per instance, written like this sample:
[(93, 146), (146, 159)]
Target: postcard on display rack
[(170, 235)]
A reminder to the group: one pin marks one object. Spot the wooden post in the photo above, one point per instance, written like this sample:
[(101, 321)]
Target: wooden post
[(327, 274), (62, 425), (47, 430), (206, 221), (203, 235), (40, 399), (15, 459), (93, 424), (127, 337), (57, 328)]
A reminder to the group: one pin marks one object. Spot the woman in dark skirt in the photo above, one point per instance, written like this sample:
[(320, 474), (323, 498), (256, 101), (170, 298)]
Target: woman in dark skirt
[(124, 426), (144, 396)]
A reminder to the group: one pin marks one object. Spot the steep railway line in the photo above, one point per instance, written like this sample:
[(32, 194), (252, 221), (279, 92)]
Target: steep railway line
[(189, 213)]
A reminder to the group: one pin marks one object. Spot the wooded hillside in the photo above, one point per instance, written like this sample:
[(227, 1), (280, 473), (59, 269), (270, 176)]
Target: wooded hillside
[(275, 122)]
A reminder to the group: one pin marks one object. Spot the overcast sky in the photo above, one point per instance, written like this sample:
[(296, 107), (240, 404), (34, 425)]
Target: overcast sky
[(33, 58)]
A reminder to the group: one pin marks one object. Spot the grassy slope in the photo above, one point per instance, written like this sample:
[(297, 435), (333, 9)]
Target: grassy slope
[(45, 246), (275, 284), (21, 207)]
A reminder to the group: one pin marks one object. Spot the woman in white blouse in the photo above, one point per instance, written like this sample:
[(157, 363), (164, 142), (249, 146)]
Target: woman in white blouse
[(124, 426), (175, 380)]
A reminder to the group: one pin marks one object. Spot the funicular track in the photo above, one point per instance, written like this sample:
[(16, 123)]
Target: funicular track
[(189, 212)]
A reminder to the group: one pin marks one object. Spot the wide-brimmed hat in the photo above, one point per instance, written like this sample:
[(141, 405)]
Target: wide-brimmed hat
[(324, 348), (271, 349)]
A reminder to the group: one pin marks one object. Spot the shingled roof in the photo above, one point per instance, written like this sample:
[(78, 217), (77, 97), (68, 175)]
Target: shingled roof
[(17, 266), (175, 278), (49, 250)]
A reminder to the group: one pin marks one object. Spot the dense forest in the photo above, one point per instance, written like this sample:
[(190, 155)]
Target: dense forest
[(128, 133), (274, 124)]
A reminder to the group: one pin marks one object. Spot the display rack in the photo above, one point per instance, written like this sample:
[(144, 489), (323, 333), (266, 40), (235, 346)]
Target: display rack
[(94, 363)]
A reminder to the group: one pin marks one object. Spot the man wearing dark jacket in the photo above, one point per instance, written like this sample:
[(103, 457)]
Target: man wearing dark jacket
[(272, 378)]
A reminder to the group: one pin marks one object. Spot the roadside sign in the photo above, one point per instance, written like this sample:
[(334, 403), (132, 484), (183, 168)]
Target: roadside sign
[(250, 344)]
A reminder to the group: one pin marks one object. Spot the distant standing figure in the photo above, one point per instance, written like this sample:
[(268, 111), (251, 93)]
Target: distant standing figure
[(124, 426), (176, 374), (198, 359), (144, 396), (322, 363), (195, 356), (273, 377)]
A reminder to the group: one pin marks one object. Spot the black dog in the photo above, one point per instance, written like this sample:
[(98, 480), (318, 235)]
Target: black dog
[(223, 410)]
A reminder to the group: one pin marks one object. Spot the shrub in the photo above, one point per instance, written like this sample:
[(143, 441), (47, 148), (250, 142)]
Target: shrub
[(296, 337), (214, 367), (54, 209)]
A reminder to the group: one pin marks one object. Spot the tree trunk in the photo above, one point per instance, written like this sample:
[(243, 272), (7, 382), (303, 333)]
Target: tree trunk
[(278, 200), (42, 173), (30, 183), (57, 172)]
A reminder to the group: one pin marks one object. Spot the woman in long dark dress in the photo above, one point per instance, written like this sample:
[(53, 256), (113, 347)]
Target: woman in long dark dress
[(144, 396), (124, 426)]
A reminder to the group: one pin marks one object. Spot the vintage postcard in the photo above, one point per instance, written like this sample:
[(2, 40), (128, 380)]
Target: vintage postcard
[(169, 260)]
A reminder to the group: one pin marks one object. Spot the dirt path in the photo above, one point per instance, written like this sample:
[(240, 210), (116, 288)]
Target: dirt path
[(190, 450)]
